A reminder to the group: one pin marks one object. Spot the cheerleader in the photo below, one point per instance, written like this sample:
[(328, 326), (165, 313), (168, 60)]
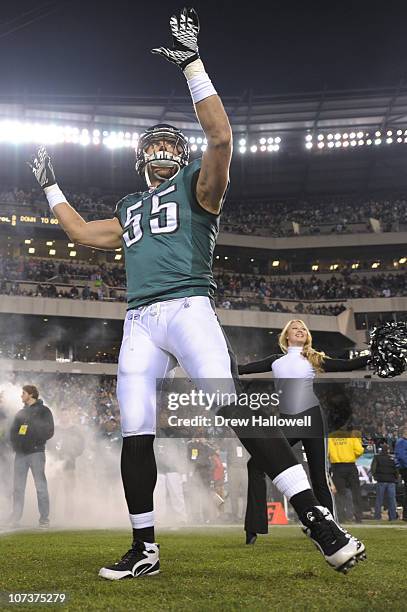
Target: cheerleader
[(294, 372)]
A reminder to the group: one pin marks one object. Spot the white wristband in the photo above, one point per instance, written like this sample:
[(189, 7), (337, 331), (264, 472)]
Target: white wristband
[(198, 81), (54, 195)]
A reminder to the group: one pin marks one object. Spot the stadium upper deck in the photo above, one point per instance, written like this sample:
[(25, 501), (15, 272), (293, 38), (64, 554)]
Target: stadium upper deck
[(327, 141)]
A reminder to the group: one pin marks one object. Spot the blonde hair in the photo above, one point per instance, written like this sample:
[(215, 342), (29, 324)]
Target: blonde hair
[(316, 358)]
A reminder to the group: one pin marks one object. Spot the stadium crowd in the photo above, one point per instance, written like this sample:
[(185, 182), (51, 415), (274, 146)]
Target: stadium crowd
[(379, 408), (347, 214), (78, 280)]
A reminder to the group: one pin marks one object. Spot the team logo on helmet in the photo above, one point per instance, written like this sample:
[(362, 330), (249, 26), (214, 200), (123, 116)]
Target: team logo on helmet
[(158, 133)]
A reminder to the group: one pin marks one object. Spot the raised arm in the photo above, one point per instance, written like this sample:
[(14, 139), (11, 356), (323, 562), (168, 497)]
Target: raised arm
[(104, 234), (214, 174)]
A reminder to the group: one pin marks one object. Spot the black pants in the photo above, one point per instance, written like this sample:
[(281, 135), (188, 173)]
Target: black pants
[(315, 450), (345, 476)]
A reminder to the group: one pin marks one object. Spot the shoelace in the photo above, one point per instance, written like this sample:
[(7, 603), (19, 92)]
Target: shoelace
[(324, 532), (135, 550)]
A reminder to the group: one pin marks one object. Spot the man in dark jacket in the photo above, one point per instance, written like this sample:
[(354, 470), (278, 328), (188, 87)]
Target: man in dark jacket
[(384, 470), (31, 428), (400, 452)]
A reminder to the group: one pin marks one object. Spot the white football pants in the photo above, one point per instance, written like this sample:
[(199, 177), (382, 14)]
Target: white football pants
[(155, 338)]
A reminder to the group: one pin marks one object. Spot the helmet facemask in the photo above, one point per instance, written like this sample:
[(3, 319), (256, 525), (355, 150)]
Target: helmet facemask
[(177, 158)]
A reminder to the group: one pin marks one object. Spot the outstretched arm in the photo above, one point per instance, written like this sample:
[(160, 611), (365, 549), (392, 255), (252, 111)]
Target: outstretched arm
[(345, 365), (257, 367), (214, 174), (104, 234)]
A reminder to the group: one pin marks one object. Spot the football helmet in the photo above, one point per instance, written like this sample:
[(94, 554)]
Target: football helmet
[(158, 133)]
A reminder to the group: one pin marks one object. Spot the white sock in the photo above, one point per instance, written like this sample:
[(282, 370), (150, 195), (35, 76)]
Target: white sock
[(139, 521), (292, 481)]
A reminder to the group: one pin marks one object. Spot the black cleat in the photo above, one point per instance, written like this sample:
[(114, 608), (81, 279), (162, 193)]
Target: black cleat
[(340, 550), (143, 559)]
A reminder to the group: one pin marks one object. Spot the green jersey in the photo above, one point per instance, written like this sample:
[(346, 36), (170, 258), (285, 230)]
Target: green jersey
[(168, 241)]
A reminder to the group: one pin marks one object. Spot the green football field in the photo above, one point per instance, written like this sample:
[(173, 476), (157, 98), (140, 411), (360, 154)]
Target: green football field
[(206, 570)]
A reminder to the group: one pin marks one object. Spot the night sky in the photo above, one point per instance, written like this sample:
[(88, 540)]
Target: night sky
[(271, 47)]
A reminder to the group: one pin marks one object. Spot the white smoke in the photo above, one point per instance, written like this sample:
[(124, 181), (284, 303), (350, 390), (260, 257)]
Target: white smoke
[(91, 496)]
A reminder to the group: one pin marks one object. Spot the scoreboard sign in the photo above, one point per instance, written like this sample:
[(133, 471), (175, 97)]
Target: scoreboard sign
[(15, 220)]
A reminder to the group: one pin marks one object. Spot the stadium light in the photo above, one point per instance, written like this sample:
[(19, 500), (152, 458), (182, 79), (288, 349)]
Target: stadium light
[(52, 252), (49, 243), (334, 266), (70, 245), (16, 132), (275, 263), (402, 260), (72, 253), (118, 257), (27, 241), (375, 264), (253, 148), (31, 250), (252, 260), (355, 139), (315, 267), (242, 150), (355, 266)]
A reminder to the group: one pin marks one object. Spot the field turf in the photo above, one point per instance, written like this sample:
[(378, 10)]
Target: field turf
[(206, 570)]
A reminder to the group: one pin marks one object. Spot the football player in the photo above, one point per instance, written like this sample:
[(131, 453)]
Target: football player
[(168, 234)]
